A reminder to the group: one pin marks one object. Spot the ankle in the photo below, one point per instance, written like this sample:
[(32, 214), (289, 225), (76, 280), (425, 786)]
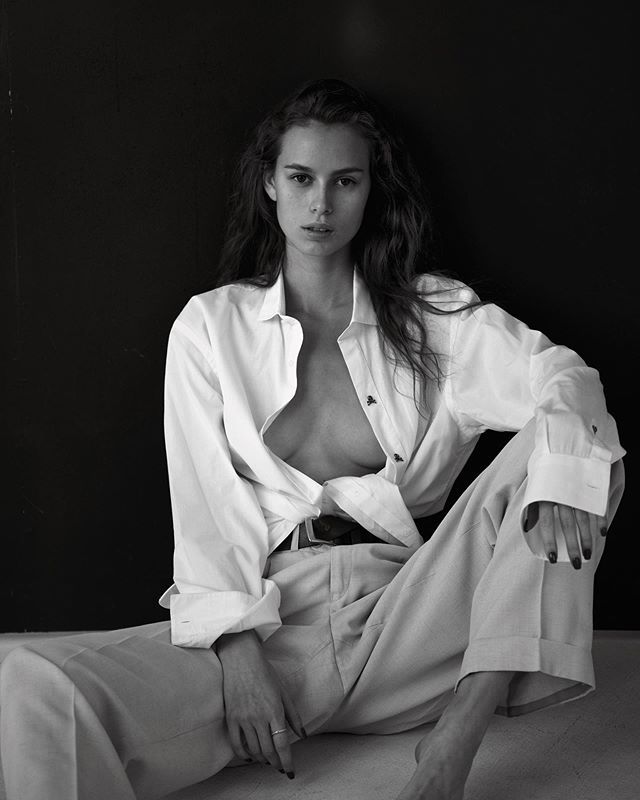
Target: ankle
[(483, 690)]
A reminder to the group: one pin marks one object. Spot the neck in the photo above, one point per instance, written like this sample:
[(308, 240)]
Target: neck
[(317, 288)]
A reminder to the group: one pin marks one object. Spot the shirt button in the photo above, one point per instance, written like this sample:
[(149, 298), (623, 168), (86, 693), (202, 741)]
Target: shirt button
[(371, 400), (396, 457)]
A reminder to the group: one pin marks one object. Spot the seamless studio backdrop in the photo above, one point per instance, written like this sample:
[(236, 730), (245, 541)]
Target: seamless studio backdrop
[(120, 125)]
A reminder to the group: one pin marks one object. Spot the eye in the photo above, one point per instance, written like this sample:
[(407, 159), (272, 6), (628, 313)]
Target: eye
[(344, 181), (301, 178)]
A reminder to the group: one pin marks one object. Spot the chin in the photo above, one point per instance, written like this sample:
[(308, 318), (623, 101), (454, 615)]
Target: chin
[(328, 248)]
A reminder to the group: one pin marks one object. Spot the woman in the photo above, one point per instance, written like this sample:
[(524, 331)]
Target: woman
[(320, 400)]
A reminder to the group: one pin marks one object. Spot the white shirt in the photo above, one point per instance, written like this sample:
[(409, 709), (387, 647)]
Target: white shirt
[(231, 368)]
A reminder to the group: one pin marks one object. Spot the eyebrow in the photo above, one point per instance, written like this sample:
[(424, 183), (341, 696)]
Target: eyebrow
[(302, 168)]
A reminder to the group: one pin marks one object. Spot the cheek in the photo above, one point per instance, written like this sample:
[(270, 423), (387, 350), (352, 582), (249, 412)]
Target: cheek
[(358, 208), (288, 201)]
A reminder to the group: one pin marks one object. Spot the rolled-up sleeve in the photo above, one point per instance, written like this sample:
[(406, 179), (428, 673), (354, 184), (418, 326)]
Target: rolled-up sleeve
[(219, 529), (504, 374)]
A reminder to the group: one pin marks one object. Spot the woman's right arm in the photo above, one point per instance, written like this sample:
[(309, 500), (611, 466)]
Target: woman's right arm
[(220, 550), (220, 532)]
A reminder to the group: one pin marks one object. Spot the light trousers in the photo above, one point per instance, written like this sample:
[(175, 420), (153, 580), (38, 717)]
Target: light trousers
[(375, 638)]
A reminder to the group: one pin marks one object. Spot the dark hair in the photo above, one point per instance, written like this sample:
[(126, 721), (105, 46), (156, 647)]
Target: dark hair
[(392, 245)]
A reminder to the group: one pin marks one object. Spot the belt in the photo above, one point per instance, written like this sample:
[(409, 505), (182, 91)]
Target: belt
[(329, 530)]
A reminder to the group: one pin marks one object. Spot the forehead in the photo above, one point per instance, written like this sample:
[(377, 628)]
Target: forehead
[(321, 146)]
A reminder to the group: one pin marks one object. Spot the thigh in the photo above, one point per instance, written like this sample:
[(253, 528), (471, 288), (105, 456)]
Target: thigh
[(161, 706), (139, 668), (400, 648)]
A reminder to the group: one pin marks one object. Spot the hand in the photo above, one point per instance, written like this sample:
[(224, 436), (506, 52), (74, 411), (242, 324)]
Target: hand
[(256, 703), (578, 527)]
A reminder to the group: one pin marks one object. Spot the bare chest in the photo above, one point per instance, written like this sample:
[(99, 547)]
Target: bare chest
[(324, 431)]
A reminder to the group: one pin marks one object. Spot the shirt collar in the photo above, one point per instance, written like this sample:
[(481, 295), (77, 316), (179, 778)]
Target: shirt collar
[(363, 310), (274, 302)]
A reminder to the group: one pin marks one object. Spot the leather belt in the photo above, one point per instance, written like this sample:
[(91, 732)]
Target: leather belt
[(329, 530)]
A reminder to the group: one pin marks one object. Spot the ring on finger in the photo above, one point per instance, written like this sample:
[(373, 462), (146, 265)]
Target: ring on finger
[(282, 730)]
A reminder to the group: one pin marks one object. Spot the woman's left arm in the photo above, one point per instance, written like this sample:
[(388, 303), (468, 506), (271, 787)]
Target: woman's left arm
[(503, 374)]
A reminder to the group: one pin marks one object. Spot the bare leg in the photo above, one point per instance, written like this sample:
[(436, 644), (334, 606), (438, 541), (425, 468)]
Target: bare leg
[(445, 755)]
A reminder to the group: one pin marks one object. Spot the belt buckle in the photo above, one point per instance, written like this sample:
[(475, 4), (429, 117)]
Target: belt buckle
[(311, 536)]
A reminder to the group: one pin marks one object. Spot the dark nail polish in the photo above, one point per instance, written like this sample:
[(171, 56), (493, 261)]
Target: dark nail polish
[(603, 531), (576, 562), (290, 775), (303, 732), (553, 557), (587, 554), (281, 770), (248, 760)]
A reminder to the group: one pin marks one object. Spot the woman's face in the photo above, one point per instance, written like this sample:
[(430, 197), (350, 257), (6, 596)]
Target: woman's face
[(320, 185)]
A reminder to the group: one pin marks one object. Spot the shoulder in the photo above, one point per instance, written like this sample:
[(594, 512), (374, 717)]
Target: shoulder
[(223, 302), (445, 293), (218, 307), (215, 315)]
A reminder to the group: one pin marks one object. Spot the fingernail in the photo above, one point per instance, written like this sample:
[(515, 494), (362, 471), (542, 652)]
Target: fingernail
[(290, 775), (603, 531), (553, 557), (303, 732), (587, 554), (576, 562), (248, 760), (281, 770)]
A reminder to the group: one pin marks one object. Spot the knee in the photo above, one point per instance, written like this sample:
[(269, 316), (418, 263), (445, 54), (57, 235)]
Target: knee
[(30, 676), (22, 671)]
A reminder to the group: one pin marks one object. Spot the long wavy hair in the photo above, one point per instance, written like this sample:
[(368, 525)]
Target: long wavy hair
[(392, 246)]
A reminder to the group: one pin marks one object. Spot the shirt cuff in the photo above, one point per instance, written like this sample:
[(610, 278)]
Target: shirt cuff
[(199, 618), (570, 480)]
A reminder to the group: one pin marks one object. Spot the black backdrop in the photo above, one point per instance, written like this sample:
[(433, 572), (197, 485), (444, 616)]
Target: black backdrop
[(120, 121)]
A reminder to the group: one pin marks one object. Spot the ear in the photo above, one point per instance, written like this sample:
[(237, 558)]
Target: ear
[(269, 185)]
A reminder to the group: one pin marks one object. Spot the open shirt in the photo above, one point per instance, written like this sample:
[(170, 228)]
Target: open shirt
[(231, 368)]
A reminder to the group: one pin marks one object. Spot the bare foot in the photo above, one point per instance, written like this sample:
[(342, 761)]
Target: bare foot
[(443, 766), (445, 755)]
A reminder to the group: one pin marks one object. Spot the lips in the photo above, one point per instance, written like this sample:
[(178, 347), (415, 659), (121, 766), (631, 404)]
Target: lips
[(317, 228)]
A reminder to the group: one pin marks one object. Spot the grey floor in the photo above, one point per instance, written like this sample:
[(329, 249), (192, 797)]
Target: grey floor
[(588, 749)]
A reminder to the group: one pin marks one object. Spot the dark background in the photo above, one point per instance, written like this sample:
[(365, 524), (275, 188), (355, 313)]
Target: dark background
[(120, 123)]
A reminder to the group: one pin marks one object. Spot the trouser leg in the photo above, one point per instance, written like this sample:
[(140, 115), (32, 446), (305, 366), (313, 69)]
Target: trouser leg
[(114, 715), (473, 598)]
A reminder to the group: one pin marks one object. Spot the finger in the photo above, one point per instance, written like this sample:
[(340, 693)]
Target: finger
[(569, 530), (595, 526), (292, 716), (531, 517), (237, 745), (546, 530), (253, 743), (281, 744), (267, 747), (584, 532), (603, 525)]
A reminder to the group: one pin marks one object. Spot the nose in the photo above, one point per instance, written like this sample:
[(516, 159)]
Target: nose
[(320, 202)]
